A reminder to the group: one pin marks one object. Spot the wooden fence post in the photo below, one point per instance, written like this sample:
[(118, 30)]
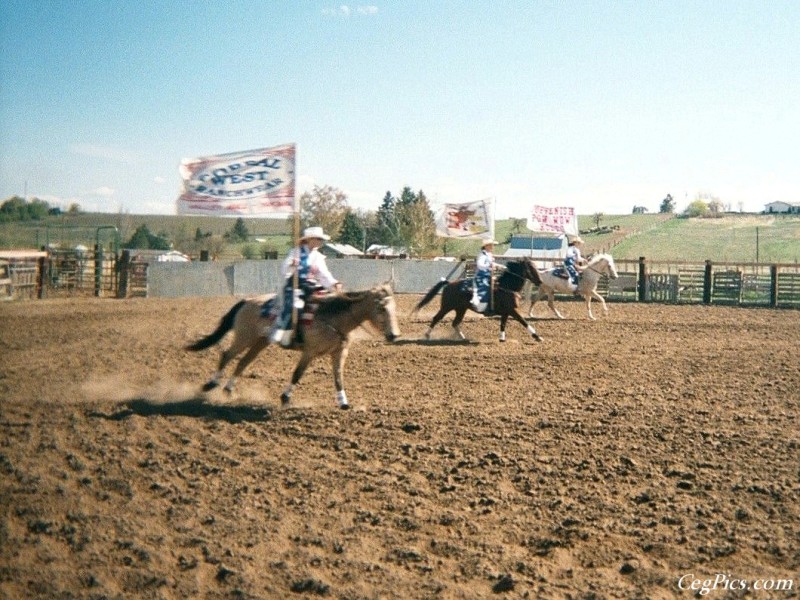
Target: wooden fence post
[(773, 286), (98, 270), (124, 271), (707, 284), (641, 284), (41, 280)]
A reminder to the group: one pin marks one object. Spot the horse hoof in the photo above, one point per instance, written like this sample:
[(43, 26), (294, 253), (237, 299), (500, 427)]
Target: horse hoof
[(285, 399), (537, 337), (210, 386), (344, 406), (228, 391)]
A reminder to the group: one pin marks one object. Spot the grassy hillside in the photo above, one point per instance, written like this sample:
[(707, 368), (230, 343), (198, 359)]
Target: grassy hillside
[(732, 238), (655, 236)]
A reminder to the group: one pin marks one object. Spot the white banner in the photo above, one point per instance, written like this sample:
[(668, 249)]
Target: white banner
[(251, 183), (466, 220), (560, 219)]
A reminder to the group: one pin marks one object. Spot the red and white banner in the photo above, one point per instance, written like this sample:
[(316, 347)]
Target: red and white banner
[(250, 183), (466, 220), (560, 219)]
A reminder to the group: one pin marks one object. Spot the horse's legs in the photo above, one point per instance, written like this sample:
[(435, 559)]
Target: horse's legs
[(258, 345), (551, 294), (460, 312), (535, 298), (503, 321), (225, 357), (598, 297), (436, 318), (521, 320), (337, 361), (301, 367)]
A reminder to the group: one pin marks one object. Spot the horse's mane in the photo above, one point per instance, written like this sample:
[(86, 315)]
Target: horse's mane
[(596, 258), (339, 303), (513, 276)]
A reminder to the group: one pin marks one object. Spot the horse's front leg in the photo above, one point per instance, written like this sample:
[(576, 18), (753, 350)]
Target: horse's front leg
[(337, 361), (460, 312), (301, 367), (503, 321), (589, 306), (600, 299), (521, 320)]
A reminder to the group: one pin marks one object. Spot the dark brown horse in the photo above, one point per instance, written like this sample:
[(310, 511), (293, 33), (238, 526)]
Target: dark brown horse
[(456, 296)]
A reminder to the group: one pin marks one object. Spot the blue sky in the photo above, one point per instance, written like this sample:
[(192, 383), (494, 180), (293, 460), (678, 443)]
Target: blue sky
[(597, 105)]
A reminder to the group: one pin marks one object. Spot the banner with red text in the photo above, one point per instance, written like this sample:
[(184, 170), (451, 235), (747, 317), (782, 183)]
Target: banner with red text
[(251, 183), (466, 220), (561, 219)]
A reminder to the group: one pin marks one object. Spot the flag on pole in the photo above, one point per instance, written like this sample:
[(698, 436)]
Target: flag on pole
[(466, 220), (561, 219), (249, 183)]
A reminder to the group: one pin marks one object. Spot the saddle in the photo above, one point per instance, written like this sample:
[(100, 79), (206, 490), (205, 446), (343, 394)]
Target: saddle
[(561, 273)]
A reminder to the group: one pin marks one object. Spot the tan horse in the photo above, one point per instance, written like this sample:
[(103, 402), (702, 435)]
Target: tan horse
[(599, 264), (329, 333)]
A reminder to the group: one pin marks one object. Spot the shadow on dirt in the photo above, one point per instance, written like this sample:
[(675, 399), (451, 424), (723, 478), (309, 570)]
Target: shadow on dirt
[(438, 342), (193, 407)]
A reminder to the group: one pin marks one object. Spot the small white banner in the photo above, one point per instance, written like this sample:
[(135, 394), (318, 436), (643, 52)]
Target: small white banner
[(250, 183), (466, 220), (560, 219)]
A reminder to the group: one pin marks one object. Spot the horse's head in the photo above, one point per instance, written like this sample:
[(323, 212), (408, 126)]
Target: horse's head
[(383, 316), (604, 263)]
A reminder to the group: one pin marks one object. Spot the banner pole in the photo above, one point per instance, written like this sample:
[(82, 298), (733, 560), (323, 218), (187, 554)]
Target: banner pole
[(296, 247)]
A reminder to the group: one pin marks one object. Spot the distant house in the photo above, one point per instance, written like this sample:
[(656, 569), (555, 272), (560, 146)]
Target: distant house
[(332, 250), (540, 247), (782, 207), (379, 251)]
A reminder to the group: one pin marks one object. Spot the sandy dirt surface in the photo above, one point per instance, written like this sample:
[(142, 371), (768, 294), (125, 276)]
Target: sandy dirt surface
[(609, 461)]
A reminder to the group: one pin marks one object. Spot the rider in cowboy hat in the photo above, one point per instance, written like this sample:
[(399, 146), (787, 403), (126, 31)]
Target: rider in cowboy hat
[(312, 274), (573, 261), (484, 265)]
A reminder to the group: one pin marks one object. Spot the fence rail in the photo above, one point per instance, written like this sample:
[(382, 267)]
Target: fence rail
[(28, 275)]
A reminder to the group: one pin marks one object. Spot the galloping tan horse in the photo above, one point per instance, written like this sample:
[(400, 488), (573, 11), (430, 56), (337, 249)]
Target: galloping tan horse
[(328, 333), (599, 264)]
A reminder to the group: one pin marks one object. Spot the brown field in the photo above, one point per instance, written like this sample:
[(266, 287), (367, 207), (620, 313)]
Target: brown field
[(606, 462)]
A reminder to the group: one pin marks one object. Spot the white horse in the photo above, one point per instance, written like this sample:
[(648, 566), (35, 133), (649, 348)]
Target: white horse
[(599, 264)]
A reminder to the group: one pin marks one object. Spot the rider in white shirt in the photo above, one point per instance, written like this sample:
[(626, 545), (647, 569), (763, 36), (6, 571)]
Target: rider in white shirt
[(573, 261), (484, 265), (312, 274)]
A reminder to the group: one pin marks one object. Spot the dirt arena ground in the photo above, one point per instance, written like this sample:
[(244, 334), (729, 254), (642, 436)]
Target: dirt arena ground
[(633, 457)]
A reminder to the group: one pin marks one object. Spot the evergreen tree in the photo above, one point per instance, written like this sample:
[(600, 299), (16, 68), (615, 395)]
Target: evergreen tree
[(353, 231)]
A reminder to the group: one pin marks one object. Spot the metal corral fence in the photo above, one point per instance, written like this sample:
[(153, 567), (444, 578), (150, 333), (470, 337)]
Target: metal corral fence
[(32, 274), (726, 283)]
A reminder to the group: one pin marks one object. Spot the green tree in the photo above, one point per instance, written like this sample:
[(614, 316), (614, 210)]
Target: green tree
[(353, 231), (517, 224), (238, 232), (406, 222), (697, 208), (143, 239), (385, 230), (597, 218), (324, 207), (667, 205)]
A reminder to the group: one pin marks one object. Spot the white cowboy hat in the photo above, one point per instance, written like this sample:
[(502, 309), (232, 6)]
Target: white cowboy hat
[(489, 242), (577, 240), (314, 233)]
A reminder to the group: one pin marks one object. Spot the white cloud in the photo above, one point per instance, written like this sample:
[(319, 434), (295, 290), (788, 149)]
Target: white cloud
[(159, 180), (105, 152), (345, 11), (103, 192)]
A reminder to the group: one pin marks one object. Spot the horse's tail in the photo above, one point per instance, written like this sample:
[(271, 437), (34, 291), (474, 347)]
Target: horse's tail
[(430, 295), (225, 325)]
